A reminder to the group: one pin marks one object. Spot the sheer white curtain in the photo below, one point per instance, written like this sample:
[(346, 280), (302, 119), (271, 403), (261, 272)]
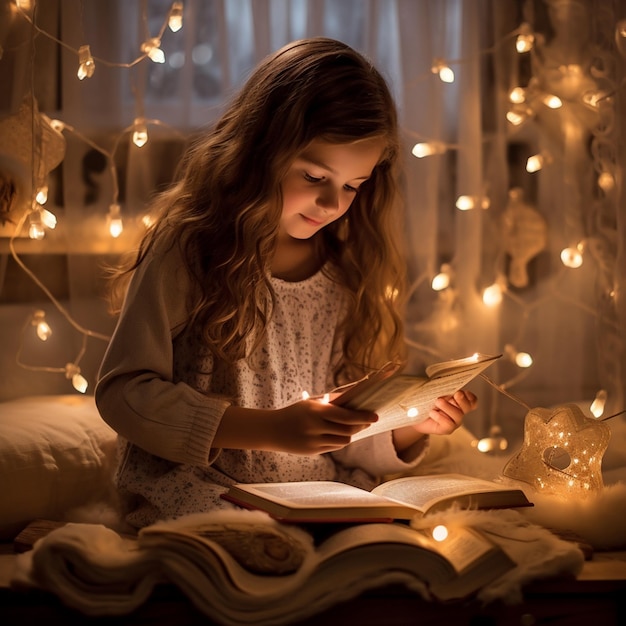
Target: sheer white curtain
[(221, 40)]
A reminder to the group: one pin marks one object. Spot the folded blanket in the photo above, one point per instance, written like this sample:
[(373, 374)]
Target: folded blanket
[(242, 567)]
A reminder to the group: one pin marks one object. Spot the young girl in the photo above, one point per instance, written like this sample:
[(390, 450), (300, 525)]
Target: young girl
[(272, 270)]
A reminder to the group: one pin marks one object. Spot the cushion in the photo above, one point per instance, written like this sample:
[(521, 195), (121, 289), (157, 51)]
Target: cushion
[(56, 453)]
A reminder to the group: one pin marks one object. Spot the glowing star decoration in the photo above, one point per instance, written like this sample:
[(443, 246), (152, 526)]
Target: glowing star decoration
[(561, 453)]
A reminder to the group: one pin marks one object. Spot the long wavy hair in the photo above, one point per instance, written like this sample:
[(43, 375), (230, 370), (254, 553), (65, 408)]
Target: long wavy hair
[(225, 206)]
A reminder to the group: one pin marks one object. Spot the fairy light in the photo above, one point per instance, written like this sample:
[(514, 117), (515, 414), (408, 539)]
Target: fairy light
[(429, 148), (492, 295), (86, 64), (152, 47), (599, 403), (552, 101), (175, 21), (536, 162), (517, 95), (445, 72), (42, 327), (140, 133), (412, 412), (493, 443), (516, 117), (42, 195), (440, 532), (467, 203), (305, 395), (606, 181), (572, 257), (521, 359), (48, 219), (36, 229), (442, 280), (72, 372), (116, 225), (525, 39)]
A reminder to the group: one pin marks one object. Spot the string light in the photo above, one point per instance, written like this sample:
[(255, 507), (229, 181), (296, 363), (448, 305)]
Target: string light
[(140, 134), (552, 101), (116, 225), (175, 21), (537, 161), (421, 150), (445, 72), (525, 39), (572, 257), (517, 95), (152, 47), (599, 403), (442, 280), (72, 372), (86, 64), (521, 359), (466, 203), (440, 533), (492, 295), (42, 328), (42, 195)]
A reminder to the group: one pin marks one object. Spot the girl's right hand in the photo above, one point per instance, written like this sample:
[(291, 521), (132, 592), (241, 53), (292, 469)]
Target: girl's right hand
[(314, 427)]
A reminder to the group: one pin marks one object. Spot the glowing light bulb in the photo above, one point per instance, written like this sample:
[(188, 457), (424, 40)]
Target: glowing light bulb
[(442, 280), (517, 95), (57, 125), (525, 39), (72, 372), (445, 71), (42, 328), (466, 203), (305, 395), (36, 229), (516, 118), (421, 150), (534, 163), (552, 101), (606, 181), (152, 48), (494, 442), (175, 21), (412, 412), (140, 133), (116, 226), (48, 218), (325, 398), (440, 533), (521, 359), (572, 257), (42, 194), (598, 404), (86, 64), (492, 295)]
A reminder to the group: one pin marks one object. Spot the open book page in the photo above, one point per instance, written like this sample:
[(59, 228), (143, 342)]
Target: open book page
[(430, 493), (402, 400)]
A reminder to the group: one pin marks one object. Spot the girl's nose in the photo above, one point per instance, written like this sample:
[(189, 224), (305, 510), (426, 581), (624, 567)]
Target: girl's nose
[(328, 199)]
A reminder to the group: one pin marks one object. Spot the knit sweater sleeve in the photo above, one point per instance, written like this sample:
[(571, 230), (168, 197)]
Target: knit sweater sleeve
[(136, 393)]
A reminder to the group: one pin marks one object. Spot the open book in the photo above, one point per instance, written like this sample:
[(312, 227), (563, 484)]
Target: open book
[(398, 499), (403, 399)]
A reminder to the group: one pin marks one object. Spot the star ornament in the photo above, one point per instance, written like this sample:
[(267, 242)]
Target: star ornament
[(561, 453)]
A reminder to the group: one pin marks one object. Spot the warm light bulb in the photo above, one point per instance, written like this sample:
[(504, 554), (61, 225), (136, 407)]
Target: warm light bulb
[(442, 280), (412, 412), (525, 39), (48, 218), (305, 395), (465, 203), (517, 95), (151, 47), (606, 181), (440, 533), (58, 125), (445, 72), (42, 194), (421, 150), (116, 226), (86, 64), (175, 21), (572, 257), (72, 372), (516, 118), (492, 295), (598, 404), (42, 328), (552, 102), (534, 163), (523, 359), (36, 229), (140, 133)]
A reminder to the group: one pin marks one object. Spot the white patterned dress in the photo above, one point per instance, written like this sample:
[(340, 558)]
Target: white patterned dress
[(167, 465)]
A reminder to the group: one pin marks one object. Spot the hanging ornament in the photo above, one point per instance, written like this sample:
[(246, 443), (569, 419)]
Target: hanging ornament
[(524, 236)]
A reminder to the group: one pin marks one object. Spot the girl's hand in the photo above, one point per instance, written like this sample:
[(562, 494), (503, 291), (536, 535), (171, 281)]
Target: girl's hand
[(313, 427), (444, 419), (306, 427), (448, 414)]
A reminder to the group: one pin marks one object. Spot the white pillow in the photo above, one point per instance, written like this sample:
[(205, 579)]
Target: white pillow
[(56, 453)]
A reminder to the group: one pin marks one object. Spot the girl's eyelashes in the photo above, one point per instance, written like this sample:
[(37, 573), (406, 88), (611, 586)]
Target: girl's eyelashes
[(318, 179)]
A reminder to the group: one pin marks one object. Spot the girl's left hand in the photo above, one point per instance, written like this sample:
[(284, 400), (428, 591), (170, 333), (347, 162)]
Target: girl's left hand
[(448, 413)]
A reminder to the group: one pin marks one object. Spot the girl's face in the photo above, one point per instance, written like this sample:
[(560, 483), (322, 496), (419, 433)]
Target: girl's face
[(321, 184)]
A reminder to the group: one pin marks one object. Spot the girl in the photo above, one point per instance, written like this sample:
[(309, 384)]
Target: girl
[(272, 270)]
